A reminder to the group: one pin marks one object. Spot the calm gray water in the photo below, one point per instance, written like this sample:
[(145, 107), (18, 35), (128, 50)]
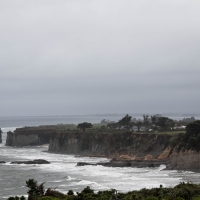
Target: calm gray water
[(65, 175)]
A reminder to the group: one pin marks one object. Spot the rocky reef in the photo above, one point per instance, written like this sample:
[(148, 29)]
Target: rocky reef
[(28, 162), (37, 161), (127, 163)]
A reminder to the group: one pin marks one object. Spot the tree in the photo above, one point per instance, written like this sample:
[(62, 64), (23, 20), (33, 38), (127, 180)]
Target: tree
[(153, 119), (139, 124), (146, 121), (34, 189), (164, 122), (112, 126), (193, 129), (125, 121), (84, 125)]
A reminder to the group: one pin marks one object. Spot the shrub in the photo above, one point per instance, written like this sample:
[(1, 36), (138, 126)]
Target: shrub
[(87, 190), (70, 192), (17, 198), (151, 198), (48, 198), (54, 193)]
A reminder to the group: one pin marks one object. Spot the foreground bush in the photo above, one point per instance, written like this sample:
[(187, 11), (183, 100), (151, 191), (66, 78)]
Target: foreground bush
[(182, 191)]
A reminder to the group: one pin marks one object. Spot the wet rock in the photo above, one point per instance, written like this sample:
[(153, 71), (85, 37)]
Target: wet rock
[(148, 163), (118, 163), (108, 164), (127, 163), (84, 163), (2, 162), (37, 161)]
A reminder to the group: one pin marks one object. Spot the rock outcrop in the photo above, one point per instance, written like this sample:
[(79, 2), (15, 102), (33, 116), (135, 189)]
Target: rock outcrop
[(30, 136), (1, 135), (9, 138)]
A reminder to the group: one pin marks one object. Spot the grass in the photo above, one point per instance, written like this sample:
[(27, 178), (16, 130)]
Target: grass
[(196, 198), (172, 132)]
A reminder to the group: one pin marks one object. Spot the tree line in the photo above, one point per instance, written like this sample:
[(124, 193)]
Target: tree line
[(154, 122), (147, 123)]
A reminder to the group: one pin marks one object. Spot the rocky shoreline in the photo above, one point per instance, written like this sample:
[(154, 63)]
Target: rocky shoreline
[(125, 149), (127, 163)]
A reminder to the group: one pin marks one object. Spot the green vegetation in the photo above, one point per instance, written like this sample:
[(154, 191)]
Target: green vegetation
[(177, 132), (84, 125), (193, 129), (149, 124), (182, 191), (189, 139), (192, 135), (155, 123)]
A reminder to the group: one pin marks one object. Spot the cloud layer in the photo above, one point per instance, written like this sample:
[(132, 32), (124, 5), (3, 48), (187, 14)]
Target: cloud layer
[(81, 57)]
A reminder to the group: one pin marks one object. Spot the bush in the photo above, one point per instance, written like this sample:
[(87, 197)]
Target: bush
[(192, 143), (70, 192), (87, 190), (17, 198), (151, 198), (48, 198), (54, 193)]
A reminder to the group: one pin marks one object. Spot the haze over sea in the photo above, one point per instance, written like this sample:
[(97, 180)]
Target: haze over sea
[(63, 172)]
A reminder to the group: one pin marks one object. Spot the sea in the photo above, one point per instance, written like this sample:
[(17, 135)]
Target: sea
[(63, 174)]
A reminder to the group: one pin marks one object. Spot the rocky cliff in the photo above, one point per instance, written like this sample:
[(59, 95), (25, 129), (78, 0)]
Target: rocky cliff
[(1, 136), (138, 150), (140, 146), (30, 136), (125, 148), (185, 160)]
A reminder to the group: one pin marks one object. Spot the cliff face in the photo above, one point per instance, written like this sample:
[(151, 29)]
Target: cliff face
[(30, 136), (9, 138), (185, 160), (111, 144), (139, 149)]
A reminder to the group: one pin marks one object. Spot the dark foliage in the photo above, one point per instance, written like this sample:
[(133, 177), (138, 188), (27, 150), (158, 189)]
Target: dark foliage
[(84, 125), (183, 191), (193, 129), (125, 121)]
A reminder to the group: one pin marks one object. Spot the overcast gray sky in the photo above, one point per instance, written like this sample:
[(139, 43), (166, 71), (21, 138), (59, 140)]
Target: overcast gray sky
[(62, 57)]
